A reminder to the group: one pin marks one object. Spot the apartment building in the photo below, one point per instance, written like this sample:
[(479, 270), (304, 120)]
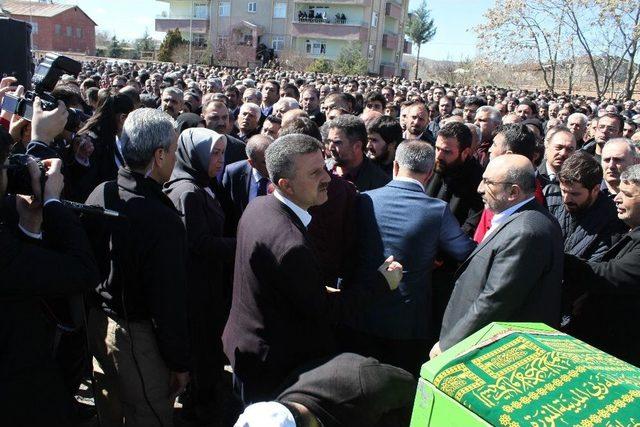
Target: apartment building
[(313, 28)]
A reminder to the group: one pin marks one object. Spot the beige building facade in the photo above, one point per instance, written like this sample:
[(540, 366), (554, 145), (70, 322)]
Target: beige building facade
[(316, 29)]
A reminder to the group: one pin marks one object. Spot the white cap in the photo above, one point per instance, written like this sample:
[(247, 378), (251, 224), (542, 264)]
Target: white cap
[(266, 414)]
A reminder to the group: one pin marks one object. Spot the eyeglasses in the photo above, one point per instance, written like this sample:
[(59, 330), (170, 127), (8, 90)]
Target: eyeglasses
[(486, 181)]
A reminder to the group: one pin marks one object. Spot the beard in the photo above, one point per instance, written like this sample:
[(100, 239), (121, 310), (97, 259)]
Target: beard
[(443, 168)]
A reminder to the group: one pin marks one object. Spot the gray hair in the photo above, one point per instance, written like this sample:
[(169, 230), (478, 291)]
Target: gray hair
[(416, 156), (631, 174), (476, 129), (629, 143), (553, 131), (256, 92), (251, 106), (257, 143), (583, 118), (281, 155), (144, 131), (525, 178), (173, 91), (291, 103), (494, 113), (248, 83)]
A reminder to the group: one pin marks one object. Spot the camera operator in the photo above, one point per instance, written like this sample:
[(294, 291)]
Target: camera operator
[(46, 254)]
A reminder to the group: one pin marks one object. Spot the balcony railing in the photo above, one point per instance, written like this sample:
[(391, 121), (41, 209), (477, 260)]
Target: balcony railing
[(349, 31), (174, 16), (322, 19), (393, 10), (184, 24), (340, 2)]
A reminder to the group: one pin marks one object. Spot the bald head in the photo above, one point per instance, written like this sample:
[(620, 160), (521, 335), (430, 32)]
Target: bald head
[(369, 116), (508, 180)]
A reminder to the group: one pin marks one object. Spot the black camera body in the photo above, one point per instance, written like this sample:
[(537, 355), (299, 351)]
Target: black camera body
[(18, 176), (44, 81)]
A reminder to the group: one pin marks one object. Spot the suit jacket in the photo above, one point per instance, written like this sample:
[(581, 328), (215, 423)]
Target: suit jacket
[(514, 274), (370, 177), (543, 173), (281, 315), (237, 184), (235, 151), (400, 219), (608, 317), (62, 265)]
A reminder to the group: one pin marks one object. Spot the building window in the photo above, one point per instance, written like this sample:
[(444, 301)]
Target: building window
[(252, 6), (372, 51), (374, 20), (280, 10), (200, 11), (315, 47), (58, 29), (69, 31), (277, 43), (34, 28), (79, 33), (224, 9)]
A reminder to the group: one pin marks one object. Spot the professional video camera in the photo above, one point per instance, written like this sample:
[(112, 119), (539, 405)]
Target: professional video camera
[(44, 81)]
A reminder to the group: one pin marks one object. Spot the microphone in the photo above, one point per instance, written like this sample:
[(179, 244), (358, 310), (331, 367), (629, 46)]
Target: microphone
[(90, 209)]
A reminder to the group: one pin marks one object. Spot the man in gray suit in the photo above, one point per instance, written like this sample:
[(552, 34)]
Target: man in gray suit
[(401, 219), (515, 273)]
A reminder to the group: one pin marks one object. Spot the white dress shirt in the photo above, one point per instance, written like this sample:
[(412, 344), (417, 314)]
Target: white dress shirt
[(501, 217), (303, 215)]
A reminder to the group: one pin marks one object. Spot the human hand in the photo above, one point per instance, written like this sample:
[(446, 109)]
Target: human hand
[(7, 84), (177, 384), (17, 126), (46, 125), (83, 148), (55, 181), (9, 88), (392, 272), (435, 351)]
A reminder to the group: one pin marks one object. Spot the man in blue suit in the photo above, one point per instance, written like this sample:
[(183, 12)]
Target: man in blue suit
[(245, 180), (401, 219)]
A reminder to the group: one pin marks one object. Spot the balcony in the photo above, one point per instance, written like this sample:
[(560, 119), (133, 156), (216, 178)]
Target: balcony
[(393, 10), (166, 23), (330, 29), (390, 41), (407, 48), (387, 69), (337, 2)]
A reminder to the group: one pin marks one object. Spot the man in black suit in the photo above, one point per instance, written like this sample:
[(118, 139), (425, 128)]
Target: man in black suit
[(245, 180), (282, 315), (607, 316), (32, 388), (515, 273), (347, 140), (216, 117)]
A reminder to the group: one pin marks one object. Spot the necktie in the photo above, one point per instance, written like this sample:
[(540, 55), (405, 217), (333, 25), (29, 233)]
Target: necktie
[(262, 186)]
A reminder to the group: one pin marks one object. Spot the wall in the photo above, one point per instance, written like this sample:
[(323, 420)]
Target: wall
[(46, 39)]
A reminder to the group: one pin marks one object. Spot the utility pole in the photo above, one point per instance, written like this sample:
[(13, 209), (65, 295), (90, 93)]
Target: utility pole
[(191, 30)]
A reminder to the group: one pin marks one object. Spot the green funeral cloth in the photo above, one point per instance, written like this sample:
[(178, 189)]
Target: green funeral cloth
[(533, 379)]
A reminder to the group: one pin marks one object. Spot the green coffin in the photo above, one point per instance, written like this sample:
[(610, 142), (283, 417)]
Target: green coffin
[(526, 374)]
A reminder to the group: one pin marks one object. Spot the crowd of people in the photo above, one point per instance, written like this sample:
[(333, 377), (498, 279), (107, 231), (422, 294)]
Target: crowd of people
[(323, 235)]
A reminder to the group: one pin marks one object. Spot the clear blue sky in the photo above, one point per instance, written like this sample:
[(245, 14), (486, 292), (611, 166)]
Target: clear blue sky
[(454, 18)]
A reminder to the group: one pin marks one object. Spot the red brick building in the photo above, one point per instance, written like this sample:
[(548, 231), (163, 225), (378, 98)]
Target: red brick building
[(56, 27)]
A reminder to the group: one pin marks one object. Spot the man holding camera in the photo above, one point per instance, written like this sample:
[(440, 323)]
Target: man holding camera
[(32, 391)]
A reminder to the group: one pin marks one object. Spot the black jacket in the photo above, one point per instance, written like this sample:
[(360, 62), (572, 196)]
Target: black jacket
[(587, 234), (281, 315), (146, 268), (370, 177), (608, 317), (460, 189), (31, 387)]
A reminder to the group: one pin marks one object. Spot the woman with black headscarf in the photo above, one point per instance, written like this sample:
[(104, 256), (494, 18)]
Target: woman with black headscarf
[(200, 157), (187, 121)]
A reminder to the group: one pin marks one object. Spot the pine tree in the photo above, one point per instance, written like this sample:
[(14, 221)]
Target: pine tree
[(351, 61), (420, 29), (172, 40), (115, 48)]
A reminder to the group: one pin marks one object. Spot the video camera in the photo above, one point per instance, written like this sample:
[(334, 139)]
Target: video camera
[(44, 81)]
